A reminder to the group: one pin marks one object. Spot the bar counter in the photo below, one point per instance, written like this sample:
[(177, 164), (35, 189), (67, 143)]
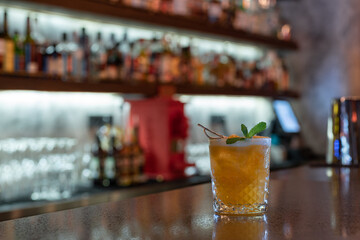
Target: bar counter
[(304, 203)]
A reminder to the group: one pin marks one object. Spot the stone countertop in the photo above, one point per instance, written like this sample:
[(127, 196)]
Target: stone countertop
[(304, 203), (92, 196)]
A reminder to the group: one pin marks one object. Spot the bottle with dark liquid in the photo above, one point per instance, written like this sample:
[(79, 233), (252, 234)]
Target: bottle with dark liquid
[(30, 50), (124, 166), (117, 146), (104, 154), (138, 158), (125, 51), (113, 59), (84, 53), (154, 60), (40, 44)]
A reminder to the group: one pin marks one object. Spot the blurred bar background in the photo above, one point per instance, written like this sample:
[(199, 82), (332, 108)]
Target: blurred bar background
[(103, 96)]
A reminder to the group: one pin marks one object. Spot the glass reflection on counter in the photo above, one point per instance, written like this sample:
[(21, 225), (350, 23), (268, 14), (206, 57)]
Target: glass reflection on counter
[(343, 200), (244, 227)]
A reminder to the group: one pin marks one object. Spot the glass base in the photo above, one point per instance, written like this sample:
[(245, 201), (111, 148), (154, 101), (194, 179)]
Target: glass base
[(239, 209)]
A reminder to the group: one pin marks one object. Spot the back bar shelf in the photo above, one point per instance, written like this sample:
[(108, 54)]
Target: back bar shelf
[(101, 9), (40, 82)]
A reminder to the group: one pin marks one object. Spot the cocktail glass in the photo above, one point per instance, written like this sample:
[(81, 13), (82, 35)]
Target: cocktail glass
[(240, 175)]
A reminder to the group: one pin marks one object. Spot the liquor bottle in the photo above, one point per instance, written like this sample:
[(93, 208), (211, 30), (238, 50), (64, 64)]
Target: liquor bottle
[(199, 68), (52, 60), (132, 65), (98, 59), (166, 6), (125, 51), (40, 43), (153, 5), (215, 70), (84, 53), (30, 50), (165, 62), (124, 161), (137, 3), (231, 72), (143, 60), (185, 65), (176, 56), (9, 59), (180, 7), (154, 63), (285, 79), (228, 12), (252, 10), (225, 5), (214, 11), (76, 56), (19, 52), (113, 59), (123, 164), (198, 8), (106, 172), (241, 17), (138, 158), (64, 63), (136, 74), (117, 145), (101, 177), (43, 62), (2, 49)]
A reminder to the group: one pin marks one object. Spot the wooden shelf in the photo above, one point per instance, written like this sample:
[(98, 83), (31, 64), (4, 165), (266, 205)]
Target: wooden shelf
[(46, 83), (104, 9), (39, 82)]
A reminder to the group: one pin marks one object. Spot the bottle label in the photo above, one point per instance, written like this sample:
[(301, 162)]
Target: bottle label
[(31, 65), (136, 3), (112, 72), (214, 11), (2, 47), (51, 65), (2, 52), (165, 68), (180, 7), (9, 59), (59, 66), (27, 49)]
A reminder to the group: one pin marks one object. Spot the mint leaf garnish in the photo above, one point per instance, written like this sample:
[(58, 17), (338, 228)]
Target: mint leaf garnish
[(261, 126), (234, 140), (244, 130)]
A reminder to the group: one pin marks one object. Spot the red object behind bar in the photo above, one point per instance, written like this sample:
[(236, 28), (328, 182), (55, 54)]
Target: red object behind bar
[(163, 130)]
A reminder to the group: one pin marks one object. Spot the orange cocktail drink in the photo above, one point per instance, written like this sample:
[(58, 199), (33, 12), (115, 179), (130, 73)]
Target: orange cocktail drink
[(240, 175)]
